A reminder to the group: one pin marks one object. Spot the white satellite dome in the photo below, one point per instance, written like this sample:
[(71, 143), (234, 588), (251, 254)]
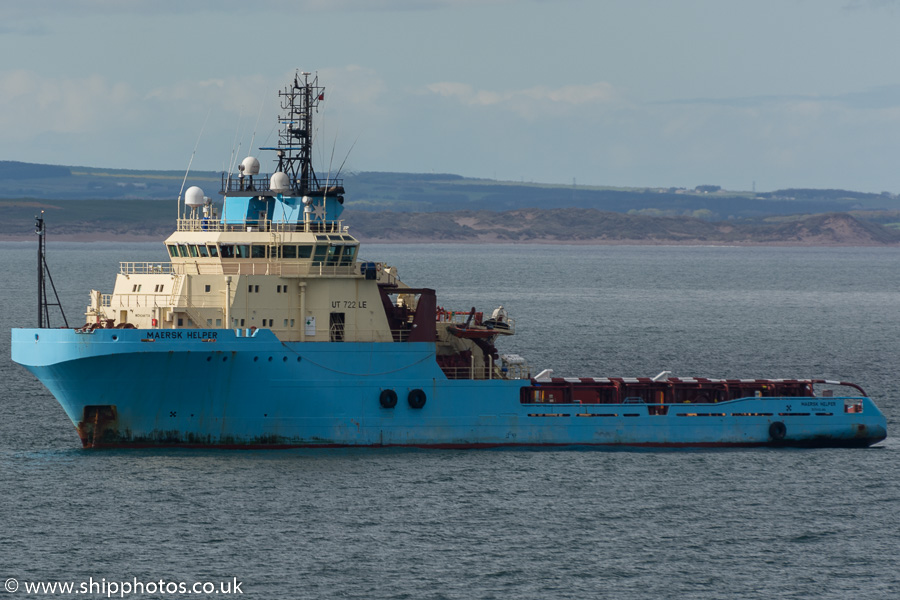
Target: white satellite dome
[(250, 166), (194, 196), (280, 182)]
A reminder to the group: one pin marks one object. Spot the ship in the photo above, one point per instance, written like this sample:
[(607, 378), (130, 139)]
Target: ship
[(265, 329)]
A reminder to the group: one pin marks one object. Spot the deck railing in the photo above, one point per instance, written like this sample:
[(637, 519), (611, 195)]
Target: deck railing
[(240, 267), (261, 184), (146, 268), (220, 225)]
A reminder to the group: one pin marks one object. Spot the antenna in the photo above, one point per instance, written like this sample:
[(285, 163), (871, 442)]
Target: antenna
[(43, 277), (295, 136), (237, 129), (341, 168), (183, 181), (258, 116)]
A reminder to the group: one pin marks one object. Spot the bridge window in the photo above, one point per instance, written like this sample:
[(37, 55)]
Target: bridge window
[(173, 250), (289, 251), (193, 250), (257, 251), (203, 251), (319, 255), (348, 255), (242, 251), (334, 254), (183, 251), (227, 250), (304, 251), (213, 250)]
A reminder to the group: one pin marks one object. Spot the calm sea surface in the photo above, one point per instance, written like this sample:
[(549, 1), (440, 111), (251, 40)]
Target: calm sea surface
[(503, 523)]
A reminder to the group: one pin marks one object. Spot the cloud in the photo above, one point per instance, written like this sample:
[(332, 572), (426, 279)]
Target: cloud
[(528, 102), (881, 97), (354, 84), (238, 95), (38, 10), (873, 4), (34, 104)]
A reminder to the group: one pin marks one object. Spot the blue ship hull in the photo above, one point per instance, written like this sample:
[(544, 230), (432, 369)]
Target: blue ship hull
[(219, 388)]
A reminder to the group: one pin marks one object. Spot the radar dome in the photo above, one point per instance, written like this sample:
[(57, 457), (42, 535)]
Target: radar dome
[(194, 196), (250, 166), (280, 182)]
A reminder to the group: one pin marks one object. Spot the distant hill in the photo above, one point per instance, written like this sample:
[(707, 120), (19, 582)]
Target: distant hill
[(92, 203), (589, 226), (153, 220), (12, 170), (442, 192)]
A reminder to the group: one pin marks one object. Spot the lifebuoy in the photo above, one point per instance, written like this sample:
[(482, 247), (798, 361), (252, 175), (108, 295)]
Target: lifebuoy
[(416, 398), (777, 431), (388, 398)]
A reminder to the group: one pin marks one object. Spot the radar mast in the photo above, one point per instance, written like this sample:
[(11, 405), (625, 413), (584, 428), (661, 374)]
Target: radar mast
[(298, 101)]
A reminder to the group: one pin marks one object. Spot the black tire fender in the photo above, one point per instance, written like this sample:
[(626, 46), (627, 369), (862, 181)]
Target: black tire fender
[(416, 398), (777, 431), (388, 398)]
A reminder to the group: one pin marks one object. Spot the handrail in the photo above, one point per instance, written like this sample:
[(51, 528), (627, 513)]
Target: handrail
[(240, 267), (261, 184), (479, 372), (146, 268), (259, 225)]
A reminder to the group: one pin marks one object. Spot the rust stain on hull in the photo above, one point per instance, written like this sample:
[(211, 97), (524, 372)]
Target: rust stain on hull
[(111, 438), (99, 426)]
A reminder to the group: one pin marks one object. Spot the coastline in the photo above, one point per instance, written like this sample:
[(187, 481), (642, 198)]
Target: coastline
[(90, 238)]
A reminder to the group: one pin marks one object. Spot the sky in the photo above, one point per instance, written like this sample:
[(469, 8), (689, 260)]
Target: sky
[(763, 95)]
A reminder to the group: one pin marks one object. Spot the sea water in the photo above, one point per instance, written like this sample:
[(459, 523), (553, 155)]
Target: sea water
[(396, 523)]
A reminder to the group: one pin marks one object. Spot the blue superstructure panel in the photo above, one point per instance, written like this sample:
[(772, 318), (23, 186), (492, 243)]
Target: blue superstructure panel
[(333, 209), (287, 209), (239, 209)]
